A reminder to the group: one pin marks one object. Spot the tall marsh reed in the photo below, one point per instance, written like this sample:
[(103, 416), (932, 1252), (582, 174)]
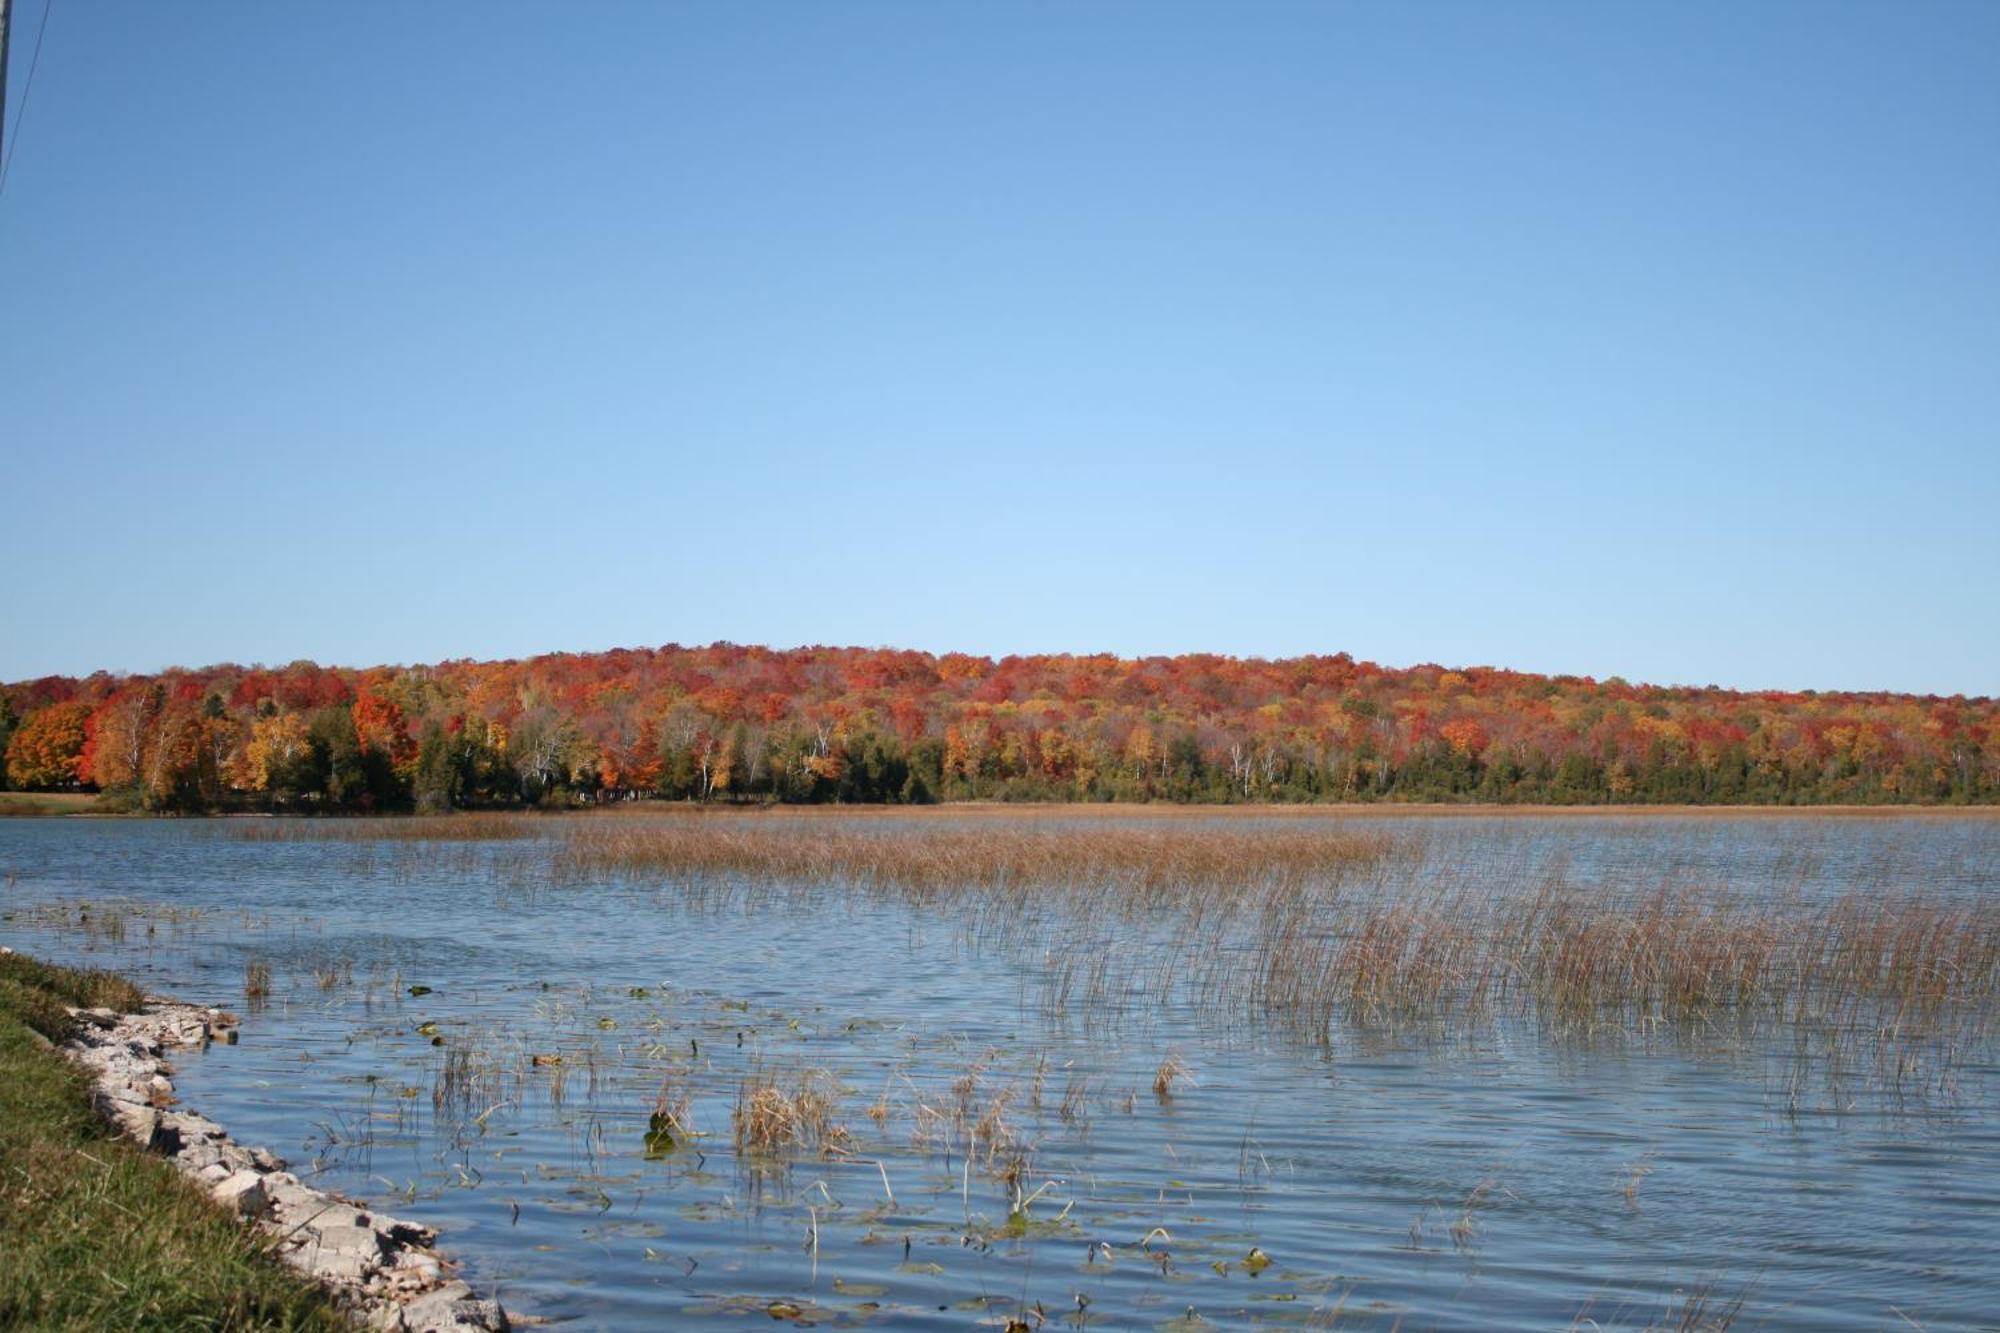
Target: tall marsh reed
[(1313, 924), (1579, 960), (939, 856), (488, 826), (1316, 926)]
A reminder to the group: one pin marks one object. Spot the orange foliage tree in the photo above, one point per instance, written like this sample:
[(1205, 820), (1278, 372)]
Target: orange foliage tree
[(46, 751)]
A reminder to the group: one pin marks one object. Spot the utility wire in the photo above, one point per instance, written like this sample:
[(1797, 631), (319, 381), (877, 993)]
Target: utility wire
[(27, 91)]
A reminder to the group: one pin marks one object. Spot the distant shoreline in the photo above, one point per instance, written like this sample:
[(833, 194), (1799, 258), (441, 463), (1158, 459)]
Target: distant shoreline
[(78, 805)]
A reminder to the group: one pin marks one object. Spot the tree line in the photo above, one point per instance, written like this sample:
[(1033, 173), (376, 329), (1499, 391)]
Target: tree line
[(732, 723)]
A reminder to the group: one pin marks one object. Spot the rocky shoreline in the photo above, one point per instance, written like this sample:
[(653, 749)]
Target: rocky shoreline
[(386, 1271)]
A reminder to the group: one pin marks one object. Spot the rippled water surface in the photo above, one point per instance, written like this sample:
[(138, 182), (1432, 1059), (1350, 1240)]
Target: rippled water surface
[(457, 1035)]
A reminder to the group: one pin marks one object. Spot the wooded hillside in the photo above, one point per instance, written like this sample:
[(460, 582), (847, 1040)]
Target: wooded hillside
[(726, 722)]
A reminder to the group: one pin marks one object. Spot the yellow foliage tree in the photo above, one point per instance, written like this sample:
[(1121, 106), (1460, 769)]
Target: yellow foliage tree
[(276, 742)]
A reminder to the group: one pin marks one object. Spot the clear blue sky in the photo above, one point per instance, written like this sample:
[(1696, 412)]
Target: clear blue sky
[(1651, 339)]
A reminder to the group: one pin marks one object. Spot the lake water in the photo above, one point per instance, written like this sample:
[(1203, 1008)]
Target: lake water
[(1476, 1175)]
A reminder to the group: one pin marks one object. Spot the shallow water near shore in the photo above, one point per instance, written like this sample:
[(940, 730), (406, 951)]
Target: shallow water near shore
[(477, 1033)]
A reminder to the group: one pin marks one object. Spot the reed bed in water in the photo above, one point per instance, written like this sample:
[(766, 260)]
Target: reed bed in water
[(1882, 971), (1315, 925), (493, 826), (932, 854), (1318, 927)]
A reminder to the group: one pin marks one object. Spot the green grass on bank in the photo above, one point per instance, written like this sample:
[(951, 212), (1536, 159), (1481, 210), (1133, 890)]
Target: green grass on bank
[(95, 1233), (34, 803)]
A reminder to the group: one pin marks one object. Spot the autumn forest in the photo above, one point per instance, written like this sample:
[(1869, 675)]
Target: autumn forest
[(727, 723)]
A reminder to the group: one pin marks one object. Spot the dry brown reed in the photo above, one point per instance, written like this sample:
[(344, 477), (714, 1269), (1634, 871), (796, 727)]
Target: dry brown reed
[(477, 1075), (453, 1086), (492, 826), (1635, 1176), (975, 1120), (1706, 1309), (256, 982), (1313, 924), (992, 1135), (930, 1128), (669, 1123), (1076, 1096), (771, 1117), (1866, 970), (932, 856)]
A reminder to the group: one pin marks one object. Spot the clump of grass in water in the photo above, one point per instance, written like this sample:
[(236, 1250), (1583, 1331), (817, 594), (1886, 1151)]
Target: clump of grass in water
[(991, 1133), (1172, 1070), (771, 1118), (453, 1087), (669, 1126), (256, 983)]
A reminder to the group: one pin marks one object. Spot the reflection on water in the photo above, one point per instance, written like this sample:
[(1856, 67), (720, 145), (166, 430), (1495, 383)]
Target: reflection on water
[(551, 1070)]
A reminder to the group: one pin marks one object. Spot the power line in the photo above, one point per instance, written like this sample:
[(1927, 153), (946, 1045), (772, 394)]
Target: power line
[(27, 91)]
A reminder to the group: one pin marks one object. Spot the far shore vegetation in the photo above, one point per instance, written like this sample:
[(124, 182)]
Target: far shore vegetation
[(99, 1234), (727, 724), (34, 803)]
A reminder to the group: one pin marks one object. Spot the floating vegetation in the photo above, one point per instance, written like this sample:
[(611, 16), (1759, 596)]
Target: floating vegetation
[(109, 920)]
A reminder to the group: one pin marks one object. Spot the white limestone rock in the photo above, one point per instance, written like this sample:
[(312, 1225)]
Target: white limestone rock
[(243, 1192)]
